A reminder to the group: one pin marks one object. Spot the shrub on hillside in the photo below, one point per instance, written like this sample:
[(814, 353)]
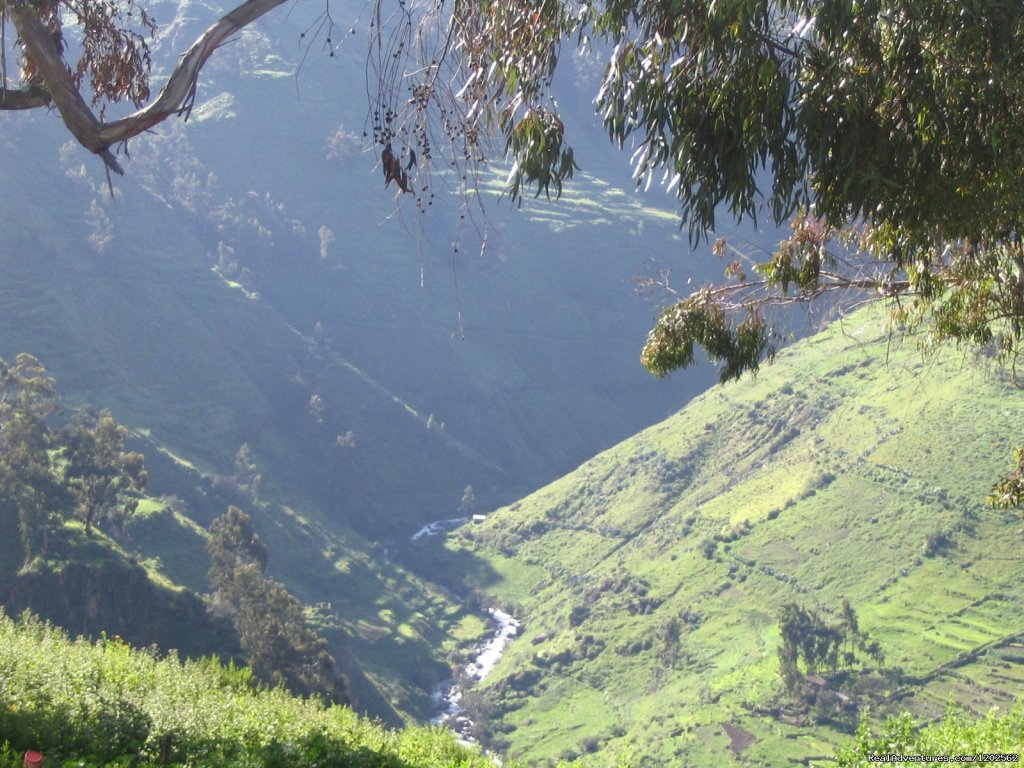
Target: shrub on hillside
[(103, 703), (1000, 735)]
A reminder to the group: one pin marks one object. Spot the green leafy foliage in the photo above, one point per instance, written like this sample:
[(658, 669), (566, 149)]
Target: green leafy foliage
[(1009, 492), (889, 128), (104, 703), (28, 491), (998, 735), (705, 91), (96, 469), (823, 646), (45, 473), (896, 112), (279, 645), (910, 112), (535, 142), (233, 544), (700, 321), (898, 115)]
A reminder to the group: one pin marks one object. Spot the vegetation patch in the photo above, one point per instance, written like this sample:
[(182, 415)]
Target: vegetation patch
[(100, 703), (812, 487)]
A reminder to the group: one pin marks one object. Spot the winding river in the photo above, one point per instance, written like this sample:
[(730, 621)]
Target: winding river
[(447, 695)]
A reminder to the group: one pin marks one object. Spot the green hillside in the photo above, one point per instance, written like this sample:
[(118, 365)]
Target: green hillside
[(90, 583), (650, 580), (90, 704), (388, 630)]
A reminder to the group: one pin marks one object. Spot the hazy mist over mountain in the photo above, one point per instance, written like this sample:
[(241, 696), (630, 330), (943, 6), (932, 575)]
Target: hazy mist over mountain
[(251, 283), (525, 351)]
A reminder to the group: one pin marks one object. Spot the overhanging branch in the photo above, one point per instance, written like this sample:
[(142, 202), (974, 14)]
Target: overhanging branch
[(59, 87), (49, 61), (177, 95), (29, 97)]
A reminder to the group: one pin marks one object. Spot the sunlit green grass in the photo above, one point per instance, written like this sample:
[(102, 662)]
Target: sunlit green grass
[(822, 479), (100, 703)]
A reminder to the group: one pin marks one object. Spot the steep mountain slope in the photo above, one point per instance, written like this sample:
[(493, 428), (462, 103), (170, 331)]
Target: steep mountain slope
[(91, 585), (339, 325), (650, 580), (251, 283)]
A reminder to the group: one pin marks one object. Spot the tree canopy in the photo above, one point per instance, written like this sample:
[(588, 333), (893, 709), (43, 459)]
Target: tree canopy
[(279, 645), (97, 470), (47, 474), (28, 488)]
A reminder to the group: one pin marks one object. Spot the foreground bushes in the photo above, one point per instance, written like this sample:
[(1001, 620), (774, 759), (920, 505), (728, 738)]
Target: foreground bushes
[(101, 703), (992, 740)]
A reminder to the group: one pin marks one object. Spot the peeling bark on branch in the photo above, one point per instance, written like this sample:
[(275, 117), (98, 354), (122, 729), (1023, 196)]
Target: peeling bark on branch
[(174, 98), (177, 95), (49, 62)]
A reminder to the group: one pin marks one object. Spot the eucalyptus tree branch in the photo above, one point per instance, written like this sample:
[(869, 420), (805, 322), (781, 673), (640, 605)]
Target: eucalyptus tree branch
[(58, 86), (49, 61), (177, 95), (30, 97)]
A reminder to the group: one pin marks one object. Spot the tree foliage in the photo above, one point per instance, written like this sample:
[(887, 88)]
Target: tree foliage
[(233, 544), (97, 470), (887, 131), (890, 127), (989, 740), (28, 491), (895, 112), (48, 473), (821, 646), (101, 703), (1009, 492), (279, 645)]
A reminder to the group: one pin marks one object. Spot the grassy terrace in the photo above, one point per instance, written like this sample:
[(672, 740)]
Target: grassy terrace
[(825, 478)]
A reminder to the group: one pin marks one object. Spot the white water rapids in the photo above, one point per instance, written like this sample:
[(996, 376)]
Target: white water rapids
[(447, 694), (438, 526)]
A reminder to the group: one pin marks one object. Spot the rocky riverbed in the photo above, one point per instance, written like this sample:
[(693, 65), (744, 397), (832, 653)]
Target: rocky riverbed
[(447, 694)]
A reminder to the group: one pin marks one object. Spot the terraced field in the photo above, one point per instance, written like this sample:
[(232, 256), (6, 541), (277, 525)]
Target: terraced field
[(650, 581)]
